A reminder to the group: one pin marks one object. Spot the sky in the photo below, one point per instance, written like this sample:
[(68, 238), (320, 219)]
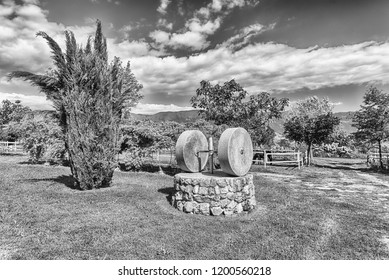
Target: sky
[(294, 49)]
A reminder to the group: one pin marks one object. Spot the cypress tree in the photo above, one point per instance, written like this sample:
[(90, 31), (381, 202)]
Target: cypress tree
[(90, 96)]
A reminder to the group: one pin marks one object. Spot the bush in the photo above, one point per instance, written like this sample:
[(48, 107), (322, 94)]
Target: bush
[(42, 139)]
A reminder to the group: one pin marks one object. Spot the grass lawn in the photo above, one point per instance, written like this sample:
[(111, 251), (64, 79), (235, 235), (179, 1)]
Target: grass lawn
[(332, 211)]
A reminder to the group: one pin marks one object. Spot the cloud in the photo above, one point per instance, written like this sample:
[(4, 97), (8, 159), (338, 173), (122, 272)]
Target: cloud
[(35, 102), (149, 109), (163, 6), (205, 22), (265, 67), (245, 35)]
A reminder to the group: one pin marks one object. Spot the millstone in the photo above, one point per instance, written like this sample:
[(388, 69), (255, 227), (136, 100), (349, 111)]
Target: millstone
[(235, 151), (188, 145)]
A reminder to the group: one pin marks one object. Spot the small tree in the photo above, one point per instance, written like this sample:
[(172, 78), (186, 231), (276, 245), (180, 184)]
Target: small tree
[(372, 120), (228, 104), (311, 121), (90, 96), (11, 113)]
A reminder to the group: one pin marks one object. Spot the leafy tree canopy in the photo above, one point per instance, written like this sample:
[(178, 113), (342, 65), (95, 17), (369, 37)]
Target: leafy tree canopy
[(12, 111), (230, 105), (372, 120), (311, 121)]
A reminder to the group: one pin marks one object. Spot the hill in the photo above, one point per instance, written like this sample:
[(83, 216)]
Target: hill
[(192, 115), (277, 125), (180, 116)]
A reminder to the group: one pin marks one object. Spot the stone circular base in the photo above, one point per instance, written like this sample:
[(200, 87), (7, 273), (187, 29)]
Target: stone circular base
[(213, 194)]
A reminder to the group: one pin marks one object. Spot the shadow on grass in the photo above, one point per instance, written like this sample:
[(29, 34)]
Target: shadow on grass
[(66, 180), (169, 193), (5, 154)]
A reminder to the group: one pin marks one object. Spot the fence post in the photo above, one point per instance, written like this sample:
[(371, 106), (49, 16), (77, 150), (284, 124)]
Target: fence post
[(298, 160), (264, 158)]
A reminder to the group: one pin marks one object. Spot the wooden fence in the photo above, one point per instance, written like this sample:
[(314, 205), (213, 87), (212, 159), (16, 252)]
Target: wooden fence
[(374, 158), (269, 156), (11, 147)]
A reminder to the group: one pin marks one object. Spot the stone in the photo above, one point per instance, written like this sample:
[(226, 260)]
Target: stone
[(238, 208), (222, 183), (178, 195), (224, 203), (235, 151), (216, 211), (239, 197), (212, 182), (187, 196), (228, 212), (200, 198), (246, 190), (189, 143), (238, 184), (188, 207), (223, 190), (205, 183), (214, 203), (180, 205), (196, 189), (231, 205), (203, 191), (204, 208), (231, 196)]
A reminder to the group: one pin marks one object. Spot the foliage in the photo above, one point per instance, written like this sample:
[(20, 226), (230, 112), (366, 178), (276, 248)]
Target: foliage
[(372, 120), (311, 121), (42, 139), (11, 113), (90, 96), (227, 105)]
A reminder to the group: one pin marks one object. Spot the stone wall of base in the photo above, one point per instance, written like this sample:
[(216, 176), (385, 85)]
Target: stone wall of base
[(213, 194)]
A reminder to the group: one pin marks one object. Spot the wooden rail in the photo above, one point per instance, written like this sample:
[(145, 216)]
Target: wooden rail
[(13, 147), (299, 158)]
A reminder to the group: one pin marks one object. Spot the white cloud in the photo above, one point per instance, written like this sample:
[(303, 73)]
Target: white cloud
[(35, 102), (164, 23), (265, 67), (163, 6), (150, 109), (245, 34), (205, 22)]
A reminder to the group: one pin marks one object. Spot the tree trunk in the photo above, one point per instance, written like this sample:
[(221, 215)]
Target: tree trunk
[(380, 154), (309, 153)]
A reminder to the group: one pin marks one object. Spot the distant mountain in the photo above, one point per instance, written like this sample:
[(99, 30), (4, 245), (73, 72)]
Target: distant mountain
[(277, 125), (192, 116), (180, 116)]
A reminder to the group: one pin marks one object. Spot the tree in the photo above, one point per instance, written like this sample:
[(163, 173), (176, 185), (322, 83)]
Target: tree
[(228, 104), (90, 96), (311, 121), (11, 113), (372, 120)]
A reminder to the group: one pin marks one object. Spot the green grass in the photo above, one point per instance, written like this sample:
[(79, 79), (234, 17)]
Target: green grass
[(42, 217)]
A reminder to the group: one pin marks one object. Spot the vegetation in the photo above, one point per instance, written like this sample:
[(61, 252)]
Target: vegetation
[(90, 96), (42, 139), (312, 213), (11, 114), (226, 105), (311, 121), (372, 120)]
